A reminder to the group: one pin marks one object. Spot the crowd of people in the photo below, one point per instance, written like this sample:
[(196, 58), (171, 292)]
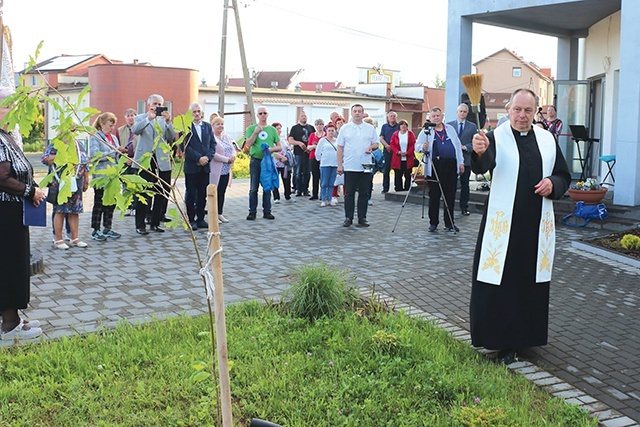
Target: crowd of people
[(510, 287)]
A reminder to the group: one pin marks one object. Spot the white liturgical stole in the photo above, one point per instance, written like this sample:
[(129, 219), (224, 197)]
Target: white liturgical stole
[(495, 241)]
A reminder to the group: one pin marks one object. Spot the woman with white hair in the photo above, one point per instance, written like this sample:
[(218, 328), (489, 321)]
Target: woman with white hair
[(16, 185)]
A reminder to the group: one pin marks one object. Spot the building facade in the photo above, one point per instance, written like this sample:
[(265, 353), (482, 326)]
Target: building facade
[(597, 82)]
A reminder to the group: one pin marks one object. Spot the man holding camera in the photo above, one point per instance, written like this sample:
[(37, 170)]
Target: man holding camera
[(446, 163), (155, 124)]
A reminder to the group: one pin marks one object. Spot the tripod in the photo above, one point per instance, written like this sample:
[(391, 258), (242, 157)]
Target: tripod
[(426, 158)]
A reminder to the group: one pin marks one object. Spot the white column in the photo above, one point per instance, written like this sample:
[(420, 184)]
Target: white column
[(459, 43), (627, 169)]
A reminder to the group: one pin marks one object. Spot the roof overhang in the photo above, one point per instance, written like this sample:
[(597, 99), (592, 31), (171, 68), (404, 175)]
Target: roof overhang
[(560, 19)]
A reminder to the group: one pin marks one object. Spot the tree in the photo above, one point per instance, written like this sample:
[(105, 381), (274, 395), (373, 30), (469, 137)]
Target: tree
[(439, 83)]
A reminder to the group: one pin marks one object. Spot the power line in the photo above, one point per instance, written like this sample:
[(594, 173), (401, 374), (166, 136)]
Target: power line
[(347, 30)]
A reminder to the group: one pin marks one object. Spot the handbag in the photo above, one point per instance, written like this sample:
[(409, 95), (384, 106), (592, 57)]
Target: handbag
[(52, 195), (586, 212)]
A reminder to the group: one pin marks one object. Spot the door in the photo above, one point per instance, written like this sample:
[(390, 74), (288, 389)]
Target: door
[(572, 99)]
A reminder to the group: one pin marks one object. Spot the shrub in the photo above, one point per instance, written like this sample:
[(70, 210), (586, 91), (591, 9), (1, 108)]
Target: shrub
[(241, 166), (630, 241), (317, 290), (36, 146)]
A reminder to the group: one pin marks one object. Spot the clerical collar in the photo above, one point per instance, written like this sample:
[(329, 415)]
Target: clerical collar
[(524, 133)]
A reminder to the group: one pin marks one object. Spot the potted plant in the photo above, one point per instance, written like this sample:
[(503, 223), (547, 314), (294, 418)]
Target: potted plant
[(588, 191)]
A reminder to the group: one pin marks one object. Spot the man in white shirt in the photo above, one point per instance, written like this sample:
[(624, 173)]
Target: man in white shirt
[(356, 142)]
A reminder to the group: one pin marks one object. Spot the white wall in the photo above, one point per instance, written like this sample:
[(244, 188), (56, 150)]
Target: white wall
[(602, 58), (284, 112)]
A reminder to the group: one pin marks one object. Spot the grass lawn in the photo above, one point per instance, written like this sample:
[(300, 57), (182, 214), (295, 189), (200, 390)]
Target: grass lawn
[(350, 370)]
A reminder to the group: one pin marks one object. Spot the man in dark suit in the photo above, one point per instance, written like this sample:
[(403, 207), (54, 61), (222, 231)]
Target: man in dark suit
[(199, 149), (465, 130)]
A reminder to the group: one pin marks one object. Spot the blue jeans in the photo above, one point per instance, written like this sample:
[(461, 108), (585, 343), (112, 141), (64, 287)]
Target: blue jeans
[(327, 178), (254, 174)]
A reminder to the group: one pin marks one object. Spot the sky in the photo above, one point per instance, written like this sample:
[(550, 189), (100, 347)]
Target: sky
[(327, 39)]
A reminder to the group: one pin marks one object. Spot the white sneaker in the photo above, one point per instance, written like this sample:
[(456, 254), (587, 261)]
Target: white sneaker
[(334, 201), (369, 202), (277, 202), (222, 219), (323, 204), (21, 333)]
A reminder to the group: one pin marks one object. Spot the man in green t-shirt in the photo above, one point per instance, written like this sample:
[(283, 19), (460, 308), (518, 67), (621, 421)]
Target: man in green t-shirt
[(254, 137)]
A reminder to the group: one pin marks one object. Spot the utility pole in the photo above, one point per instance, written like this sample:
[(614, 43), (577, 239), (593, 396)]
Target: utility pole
[(223, 59), (245, 68)]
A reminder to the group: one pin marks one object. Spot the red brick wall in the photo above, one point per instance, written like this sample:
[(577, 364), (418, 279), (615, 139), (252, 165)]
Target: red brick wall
[(116, 87)]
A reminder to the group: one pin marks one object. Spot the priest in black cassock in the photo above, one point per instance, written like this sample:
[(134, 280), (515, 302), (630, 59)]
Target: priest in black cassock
[(513, 260)]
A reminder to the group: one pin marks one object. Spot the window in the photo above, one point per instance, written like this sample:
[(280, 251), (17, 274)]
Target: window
[(516, 72), (141, 107), (34, 80)]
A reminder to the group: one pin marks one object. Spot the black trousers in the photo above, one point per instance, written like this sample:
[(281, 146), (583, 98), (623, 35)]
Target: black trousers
[(100, 212), (159, 207), (387, 170), (360, 182), (223, 183), (314, 165), (403, 173), (446, 171), (464, 188), (196, 194), (286, 184)]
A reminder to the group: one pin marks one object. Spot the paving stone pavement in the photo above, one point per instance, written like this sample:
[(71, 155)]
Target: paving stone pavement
[(592, 358)]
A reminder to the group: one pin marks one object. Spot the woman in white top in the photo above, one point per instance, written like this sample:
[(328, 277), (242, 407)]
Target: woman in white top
[(326, 154)]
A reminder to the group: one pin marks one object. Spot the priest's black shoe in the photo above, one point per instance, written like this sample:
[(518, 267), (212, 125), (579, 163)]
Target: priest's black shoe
[(165, 219), (347, 222), (362, 223), (268, 215), (157, 229), (465, 212), (452, 229), (142, 231), (506, 357), (432, 228), (202, 224)]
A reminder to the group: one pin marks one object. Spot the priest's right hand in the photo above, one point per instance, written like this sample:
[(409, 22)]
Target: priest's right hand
[(480, 143)]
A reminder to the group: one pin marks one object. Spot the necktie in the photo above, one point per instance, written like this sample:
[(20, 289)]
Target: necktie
[(460, 126)]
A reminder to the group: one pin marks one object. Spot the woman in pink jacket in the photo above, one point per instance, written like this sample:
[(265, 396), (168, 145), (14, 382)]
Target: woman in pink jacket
[(222, 163)]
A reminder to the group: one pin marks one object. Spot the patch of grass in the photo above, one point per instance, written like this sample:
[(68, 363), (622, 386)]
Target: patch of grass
[(384, 370), (317, 290)]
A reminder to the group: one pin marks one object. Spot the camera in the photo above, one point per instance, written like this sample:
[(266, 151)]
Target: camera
[(428, 124), (159, 110)]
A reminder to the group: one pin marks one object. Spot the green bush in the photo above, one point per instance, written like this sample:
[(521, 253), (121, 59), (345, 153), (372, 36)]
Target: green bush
[(36, 146), (317, 290), (241, 166), (630, 241)]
